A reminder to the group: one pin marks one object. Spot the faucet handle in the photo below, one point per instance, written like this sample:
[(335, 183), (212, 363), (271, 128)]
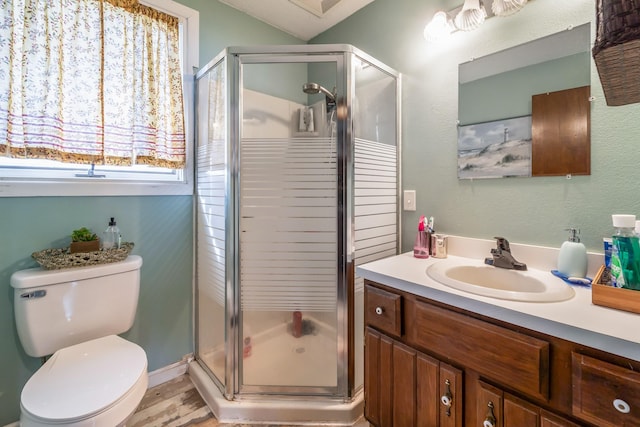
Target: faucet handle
[(502, 243)]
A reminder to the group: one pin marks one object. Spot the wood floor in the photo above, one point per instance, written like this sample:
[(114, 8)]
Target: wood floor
[(176, 403)]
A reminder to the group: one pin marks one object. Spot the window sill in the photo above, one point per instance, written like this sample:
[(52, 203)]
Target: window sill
[(92, 188)]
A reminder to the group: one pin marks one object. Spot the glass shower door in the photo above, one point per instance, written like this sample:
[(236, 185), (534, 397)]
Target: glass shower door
[(288, 228), (211, 259), (376, 153)]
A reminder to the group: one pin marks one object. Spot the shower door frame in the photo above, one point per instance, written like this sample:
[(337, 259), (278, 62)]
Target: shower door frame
[(238, 57), (345, 57)]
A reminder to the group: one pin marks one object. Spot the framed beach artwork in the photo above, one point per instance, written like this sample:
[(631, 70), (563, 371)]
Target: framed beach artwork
[(496, 149)]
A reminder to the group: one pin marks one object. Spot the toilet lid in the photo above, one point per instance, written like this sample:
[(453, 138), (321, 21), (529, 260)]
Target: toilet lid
[(85, 379)]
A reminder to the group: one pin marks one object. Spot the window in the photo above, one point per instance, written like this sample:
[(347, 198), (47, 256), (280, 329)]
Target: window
[(39, 177)]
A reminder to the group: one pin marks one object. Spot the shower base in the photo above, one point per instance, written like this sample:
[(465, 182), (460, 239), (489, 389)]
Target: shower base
[(300, 411), (279, 359)]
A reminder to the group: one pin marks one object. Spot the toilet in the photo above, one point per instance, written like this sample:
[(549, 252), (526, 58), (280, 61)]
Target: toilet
[(93, 377)]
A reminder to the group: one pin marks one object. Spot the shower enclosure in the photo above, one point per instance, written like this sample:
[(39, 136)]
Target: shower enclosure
[(297, 183)]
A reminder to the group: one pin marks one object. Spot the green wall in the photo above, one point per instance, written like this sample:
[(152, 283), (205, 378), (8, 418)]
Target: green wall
[(525, 210), (160, 226)]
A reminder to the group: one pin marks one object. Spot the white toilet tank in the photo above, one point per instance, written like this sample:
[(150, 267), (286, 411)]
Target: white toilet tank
[(58, 308)]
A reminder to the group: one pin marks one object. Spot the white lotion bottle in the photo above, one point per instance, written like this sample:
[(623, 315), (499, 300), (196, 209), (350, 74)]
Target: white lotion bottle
[(572, 259)]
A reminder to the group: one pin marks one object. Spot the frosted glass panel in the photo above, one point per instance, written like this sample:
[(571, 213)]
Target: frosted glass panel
[(288, 235), (211, 170), (376, 184), (288, 261)]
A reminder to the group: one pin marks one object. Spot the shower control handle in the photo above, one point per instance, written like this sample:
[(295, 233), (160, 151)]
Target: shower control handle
[(379, 310)]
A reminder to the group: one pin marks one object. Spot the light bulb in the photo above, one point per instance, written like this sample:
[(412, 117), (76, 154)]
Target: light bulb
[(438, 28)]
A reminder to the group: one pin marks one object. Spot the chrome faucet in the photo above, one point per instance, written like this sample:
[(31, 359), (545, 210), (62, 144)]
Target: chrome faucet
[(501, 256)]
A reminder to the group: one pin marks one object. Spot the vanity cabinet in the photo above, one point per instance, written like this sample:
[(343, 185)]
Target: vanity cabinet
[(430, 364), (407, 388)]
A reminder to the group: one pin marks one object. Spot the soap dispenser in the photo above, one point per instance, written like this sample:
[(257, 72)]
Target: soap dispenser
[(111, 236), (572, 259)]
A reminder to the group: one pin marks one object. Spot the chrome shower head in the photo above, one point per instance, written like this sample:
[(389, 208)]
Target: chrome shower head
[(313, 88)]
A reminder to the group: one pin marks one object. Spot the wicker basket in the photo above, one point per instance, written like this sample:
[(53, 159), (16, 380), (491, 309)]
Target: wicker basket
[(616, 50), (55, 259)]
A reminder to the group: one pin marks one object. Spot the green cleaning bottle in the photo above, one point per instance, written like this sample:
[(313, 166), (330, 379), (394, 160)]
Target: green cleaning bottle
[(625, 254)]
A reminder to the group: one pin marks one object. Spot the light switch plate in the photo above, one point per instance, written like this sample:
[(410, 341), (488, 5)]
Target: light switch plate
[(409, 200)]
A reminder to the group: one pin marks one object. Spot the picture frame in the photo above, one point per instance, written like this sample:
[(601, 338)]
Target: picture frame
[(495, 149)]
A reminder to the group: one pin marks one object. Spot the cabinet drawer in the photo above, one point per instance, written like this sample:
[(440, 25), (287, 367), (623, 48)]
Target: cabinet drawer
[(511, 358), (605, 394), (383, 310)]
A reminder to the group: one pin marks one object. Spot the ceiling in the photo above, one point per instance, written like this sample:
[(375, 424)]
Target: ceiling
[(303, 19)]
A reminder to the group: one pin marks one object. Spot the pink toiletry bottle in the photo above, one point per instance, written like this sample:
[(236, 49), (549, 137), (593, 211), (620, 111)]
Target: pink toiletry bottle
[(421, 245)]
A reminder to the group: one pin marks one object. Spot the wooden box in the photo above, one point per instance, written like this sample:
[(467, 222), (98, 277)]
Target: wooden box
[(618, 298)]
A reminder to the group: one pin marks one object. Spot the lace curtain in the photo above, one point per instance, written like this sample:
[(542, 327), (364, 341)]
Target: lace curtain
[(90, 81)]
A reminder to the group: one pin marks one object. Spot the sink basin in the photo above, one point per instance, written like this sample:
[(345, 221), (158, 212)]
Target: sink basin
[(481, 279)]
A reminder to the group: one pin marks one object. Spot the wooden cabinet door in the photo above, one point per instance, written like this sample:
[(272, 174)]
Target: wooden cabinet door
[(404, 386), (520, 413), (548, 419), (489, 406), (561, 132), (495, 408), (427, 391), (439, 393), (389, 381), (378, 378), (451, 387)]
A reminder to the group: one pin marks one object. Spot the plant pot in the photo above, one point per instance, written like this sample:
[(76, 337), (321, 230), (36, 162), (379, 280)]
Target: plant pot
[(90, 246)]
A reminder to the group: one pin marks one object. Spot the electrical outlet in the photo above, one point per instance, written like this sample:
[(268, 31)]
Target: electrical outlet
[(409, 200)]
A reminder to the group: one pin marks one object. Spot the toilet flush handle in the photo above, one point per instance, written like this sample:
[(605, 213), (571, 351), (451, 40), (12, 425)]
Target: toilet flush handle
[(34, 294)]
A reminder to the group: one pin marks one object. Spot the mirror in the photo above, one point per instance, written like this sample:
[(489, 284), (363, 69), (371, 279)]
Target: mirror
[(512, 104)]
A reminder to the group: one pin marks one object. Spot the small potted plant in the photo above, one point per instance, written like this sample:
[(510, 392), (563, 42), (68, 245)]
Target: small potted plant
[(84, 240)]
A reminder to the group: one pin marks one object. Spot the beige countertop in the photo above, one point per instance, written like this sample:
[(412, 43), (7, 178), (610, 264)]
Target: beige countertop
[(575, 319)]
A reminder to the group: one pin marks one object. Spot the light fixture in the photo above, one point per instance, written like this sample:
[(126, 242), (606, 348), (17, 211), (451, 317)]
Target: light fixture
[(468, 17), (507, 7), (471, 16), (439, 27)]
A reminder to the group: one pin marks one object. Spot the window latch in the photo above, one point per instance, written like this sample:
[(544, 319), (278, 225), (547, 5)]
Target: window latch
[(91, 173)]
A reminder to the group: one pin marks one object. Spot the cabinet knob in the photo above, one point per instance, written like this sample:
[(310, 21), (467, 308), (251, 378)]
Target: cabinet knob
[(379, 310), (447, 397), (490, 419), (621, 406)]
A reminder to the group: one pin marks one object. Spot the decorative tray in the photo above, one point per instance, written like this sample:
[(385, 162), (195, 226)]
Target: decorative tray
[(55, 259)]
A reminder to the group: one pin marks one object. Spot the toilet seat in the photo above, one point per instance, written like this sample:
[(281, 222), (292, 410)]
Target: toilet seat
[(86, 380)]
